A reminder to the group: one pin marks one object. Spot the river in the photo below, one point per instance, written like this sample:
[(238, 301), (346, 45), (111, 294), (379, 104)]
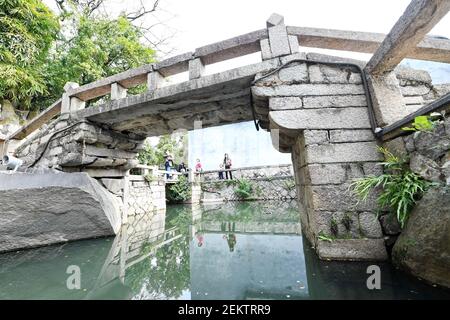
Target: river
[(246, 250)]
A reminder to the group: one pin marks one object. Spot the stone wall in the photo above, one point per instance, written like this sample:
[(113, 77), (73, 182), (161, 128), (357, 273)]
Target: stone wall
[(268, 183), (70, 145), (143, 196), (417, 88)]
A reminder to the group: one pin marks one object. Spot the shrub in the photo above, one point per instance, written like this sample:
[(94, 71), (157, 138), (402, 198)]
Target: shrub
[(401, 187), (244, 189), (179, 191)]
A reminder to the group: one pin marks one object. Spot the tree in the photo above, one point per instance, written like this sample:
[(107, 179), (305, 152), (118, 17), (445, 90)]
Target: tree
[(100, 47), (175, 144), (27, 31)]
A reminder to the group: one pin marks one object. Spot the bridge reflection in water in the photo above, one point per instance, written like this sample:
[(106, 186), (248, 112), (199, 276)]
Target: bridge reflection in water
[(251, 250)]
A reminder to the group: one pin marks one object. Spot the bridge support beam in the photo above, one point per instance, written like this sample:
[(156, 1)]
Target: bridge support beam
[(417, 20)]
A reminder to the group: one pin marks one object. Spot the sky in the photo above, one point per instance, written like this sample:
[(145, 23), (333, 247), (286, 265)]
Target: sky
[(195, 23)]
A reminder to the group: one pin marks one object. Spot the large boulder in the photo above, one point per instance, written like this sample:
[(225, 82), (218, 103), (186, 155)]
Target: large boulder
[(39, 209), (423, 248)]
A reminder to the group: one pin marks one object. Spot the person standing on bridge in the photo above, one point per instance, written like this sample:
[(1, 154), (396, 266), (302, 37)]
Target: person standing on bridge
[(227, 164), (168, 164), (198, 166)]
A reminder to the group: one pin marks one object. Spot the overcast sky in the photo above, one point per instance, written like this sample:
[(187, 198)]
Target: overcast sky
[(200, 22)]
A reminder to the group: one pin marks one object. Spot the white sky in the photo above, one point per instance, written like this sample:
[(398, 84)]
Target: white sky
[(200, 22)]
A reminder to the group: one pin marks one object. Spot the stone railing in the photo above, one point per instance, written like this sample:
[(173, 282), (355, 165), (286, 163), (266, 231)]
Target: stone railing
[(267, 183), (255, 172)]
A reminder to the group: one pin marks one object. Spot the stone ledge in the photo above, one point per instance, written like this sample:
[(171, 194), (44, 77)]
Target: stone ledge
[(352, 250)]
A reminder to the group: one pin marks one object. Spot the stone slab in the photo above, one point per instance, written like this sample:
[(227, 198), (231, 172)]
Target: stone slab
[(57, 208)]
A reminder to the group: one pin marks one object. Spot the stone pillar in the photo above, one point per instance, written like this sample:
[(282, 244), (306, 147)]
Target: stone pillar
[(154, 80), (117, 91), (279, 43), (71, 104), (196, 68), (319, 114)]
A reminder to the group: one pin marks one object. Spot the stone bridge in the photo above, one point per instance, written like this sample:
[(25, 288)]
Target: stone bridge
[(330, 113)]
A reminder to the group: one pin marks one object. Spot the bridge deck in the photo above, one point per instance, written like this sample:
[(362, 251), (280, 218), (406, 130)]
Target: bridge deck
[(215, 99)]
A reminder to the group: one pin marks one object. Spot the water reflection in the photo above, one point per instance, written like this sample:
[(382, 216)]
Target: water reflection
[(251, 250)]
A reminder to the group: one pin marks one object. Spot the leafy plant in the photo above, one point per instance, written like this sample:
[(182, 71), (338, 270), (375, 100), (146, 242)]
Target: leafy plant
[(421, 123), (179, 191), (401, 187), (322, 236), (244, 189)]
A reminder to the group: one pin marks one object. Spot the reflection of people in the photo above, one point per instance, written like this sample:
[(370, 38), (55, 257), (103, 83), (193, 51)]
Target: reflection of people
[(198, 166), (199, 237), (231, 237), (227, 164)]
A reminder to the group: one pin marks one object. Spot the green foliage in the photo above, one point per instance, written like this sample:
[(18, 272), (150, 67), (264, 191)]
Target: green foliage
[(27, 31), (323, 237), (37, 58), (179, 191), (289, 185), (175, 145), (421, 123), (100, 47), (244, 189), (401, 187)]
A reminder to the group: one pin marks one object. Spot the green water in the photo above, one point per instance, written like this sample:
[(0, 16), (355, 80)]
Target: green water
[(251, 250)]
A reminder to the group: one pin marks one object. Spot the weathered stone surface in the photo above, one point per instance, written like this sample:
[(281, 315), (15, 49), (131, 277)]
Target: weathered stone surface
[(278, 39), (390, 225), (335, 101), (432, 145), (343, 152), (274, 20), (338, 198), (414, 90), (115, 186), (315, 136), (327, 118), (196, 68), (369, 225), (396, 147), (412, 76), (326, 74), (387, 98), (308, 89), (425, 167), (42, 209), (294, 74), (352, 249), (317, 174), (351, 135), (423, 248), (285, 103)]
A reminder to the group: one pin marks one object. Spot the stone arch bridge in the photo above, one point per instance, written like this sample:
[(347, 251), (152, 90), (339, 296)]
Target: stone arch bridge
[(330, 113)]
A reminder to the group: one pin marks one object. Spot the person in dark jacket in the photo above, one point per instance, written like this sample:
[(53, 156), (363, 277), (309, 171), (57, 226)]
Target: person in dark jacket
[(227, 163)]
